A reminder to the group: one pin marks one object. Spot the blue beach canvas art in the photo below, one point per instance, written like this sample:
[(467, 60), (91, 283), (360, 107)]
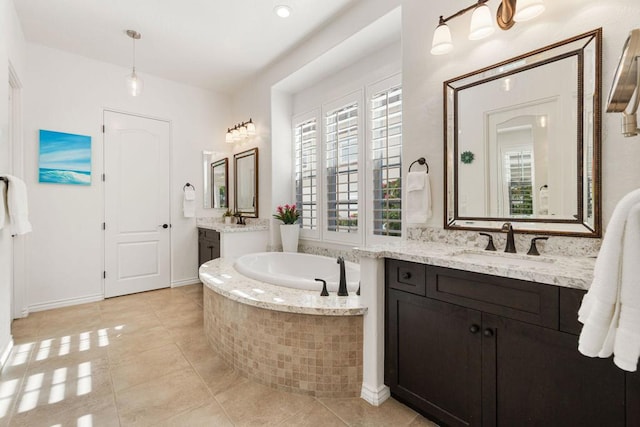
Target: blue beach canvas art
[(65, 158)]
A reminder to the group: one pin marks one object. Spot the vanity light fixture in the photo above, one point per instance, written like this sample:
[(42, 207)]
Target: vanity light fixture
[(240, 132), (134, 82), (509, 12)]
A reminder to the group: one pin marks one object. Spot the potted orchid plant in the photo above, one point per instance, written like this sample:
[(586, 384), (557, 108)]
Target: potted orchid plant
[(289, 229)]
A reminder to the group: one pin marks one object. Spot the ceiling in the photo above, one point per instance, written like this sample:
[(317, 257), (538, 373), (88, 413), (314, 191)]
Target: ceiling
[(214, 44)]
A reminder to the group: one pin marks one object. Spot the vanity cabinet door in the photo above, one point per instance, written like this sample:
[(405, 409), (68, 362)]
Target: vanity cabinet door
[(432, 358), (540, 378), (208, 245)]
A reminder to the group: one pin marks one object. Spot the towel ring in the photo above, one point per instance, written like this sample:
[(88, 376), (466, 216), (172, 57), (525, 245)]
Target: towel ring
[(188, 185), (420, 161)]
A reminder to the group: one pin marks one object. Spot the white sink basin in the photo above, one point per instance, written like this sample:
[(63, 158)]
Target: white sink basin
[(503, 259)]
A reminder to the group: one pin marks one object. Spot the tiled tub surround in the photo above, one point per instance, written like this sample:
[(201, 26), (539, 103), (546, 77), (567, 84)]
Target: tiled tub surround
[(288, 339), (573, 272)]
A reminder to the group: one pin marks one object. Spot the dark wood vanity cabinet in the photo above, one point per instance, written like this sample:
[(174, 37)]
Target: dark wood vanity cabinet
[(208, 245), (469, 349)]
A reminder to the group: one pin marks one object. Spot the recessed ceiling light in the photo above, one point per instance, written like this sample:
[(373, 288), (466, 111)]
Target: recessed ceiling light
[(282, 10)]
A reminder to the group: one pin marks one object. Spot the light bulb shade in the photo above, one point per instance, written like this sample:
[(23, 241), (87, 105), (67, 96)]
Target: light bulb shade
[(251, 128), (441, 40), (243, 132), (228, 138), (236, 134), (134, 84), (528, 9), (481, 23)]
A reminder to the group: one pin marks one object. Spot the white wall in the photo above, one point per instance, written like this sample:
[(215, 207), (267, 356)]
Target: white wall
[(423, 75), (68, 93), (11, 51)]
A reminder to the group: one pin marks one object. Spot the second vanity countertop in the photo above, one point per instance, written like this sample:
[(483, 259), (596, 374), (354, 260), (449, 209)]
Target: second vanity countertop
[(570, 272), (217, 225)]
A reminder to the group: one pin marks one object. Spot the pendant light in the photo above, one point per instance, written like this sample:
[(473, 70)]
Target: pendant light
[(134, 82)]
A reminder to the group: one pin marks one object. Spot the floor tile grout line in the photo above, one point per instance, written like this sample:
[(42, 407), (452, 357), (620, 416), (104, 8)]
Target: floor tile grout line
[(333, 412)]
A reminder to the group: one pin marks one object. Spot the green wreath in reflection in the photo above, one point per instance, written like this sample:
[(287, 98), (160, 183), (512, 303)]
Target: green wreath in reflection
[(466, 157)]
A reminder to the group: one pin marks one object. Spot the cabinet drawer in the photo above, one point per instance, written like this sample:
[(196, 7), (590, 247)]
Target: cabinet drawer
[(516, 299), (204, 233), (570, 301), (405, 276)]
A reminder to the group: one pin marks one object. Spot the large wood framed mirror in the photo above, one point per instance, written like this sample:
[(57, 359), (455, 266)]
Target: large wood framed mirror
[(245, 184), (522, 142)]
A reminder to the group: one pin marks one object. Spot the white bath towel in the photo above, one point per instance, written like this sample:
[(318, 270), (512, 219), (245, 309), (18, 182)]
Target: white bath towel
[(605, 328), (189, 202), (626, 346), (17, 205), (418, 197), (3, 203)]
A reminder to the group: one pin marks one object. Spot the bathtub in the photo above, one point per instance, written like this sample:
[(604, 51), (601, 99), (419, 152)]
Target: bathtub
[(297, 271)]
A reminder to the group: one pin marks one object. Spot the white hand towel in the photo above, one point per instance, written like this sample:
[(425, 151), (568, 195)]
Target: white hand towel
[(626, 345), (418, 197), (17, 205), (3, 203), (415, 181), (600, 309), (189, 193)]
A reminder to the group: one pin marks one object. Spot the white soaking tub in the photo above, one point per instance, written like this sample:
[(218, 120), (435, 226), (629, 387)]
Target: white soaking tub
[(297, 271)]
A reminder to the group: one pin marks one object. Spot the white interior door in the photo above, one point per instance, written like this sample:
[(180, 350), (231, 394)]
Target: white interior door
[(137, 204)]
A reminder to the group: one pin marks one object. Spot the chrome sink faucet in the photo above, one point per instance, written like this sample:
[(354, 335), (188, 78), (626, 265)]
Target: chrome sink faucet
[(342, 287), (511, 244)]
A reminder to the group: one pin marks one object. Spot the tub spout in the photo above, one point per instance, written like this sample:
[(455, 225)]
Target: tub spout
[(342, 288)]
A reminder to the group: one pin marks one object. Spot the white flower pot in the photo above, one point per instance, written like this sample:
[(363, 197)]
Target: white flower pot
[(289, 234), (228, 220)]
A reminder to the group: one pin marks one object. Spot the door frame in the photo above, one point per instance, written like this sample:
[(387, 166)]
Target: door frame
[(18, 286), (104, 193)]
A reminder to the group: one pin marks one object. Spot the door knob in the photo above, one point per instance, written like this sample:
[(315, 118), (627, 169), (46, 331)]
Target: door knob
[(487, 333), (164, 225)]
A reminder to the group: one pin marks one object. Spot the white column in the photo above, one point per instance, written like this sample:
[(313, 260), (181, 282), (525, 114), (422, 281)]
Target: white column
[(372, 293)]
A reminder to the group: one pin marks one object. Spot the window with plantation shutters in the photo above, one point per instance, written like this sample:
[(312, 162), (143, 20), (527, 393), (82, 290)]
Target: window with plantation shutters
[(341, 168), (306, 182), (386, 155)]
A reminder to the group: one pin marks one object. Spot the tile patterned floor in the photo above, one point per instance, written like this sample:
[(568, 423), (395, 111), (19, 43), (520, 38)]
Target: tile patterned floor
[(142, 360)]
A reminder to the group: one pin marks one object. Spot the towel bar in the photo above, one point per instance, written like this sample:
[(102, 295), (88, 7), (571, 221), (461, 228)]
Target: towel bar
[(420, 161)]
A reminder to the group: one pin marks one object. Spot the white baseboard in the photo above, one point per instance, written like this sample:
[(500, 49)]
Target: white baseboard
[(4, 355), (185, 282), (65, 302), (375, 397)]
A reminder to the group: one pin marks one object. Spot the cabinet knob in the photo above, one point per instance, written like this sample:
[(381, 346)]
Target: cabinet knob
[(488, 333), (406, 275), (164, 225), (474, 328)]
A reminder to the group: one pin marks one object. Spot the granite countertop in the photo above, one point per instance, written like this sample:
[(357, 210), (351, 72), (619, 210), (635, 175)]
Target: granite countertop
[(253, 224), (220, 276), (565, 271)]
